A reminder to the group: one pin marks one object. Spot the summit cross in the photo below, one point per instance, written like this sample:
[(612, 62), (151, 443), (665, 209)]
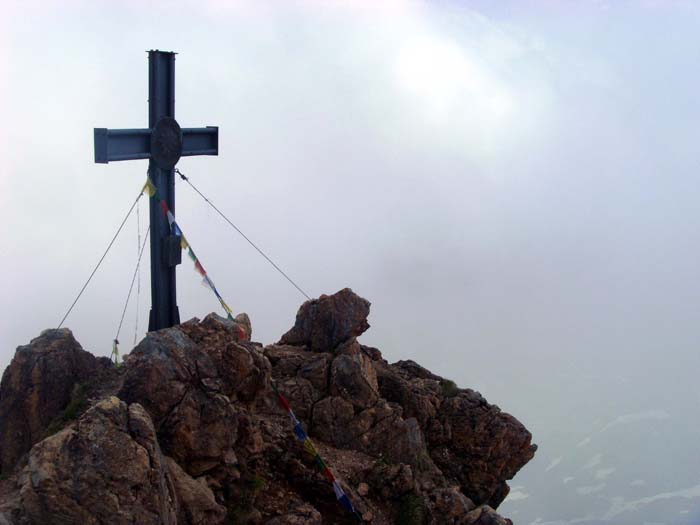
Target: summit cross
[(163, 143)]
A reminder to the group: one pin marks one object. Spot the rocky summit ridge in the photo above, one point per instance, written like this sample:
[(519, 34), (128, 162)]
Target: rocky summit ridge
[(189, 431)]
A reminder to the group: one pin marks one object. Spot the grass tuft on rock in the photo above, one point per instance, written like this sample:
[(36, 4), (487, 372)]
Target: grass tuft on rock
[(449, 388), (411, 510), (240, 500), (76, 406)]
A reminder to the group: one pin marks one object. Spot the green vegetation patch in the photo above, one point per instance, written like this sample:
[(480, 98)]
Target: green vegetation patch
[(240, 500), (411, 510), (449, 388), (76, 406)]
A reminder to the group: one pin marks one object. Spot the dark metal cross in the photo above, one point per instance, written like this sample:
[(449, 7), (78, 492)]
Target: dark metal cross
[(163, 143)]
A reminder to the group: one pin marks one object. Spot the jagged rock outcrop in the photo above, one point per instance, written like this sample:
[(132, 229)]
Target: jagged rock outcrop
[(324, 323), (108, 468), (189, 431), (196, 502), (196, 381), (470, 440), (37, 387)]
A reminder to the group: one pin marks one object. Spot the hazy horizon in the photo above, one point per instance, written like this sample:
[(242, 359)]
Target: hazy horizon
[(512, 185)]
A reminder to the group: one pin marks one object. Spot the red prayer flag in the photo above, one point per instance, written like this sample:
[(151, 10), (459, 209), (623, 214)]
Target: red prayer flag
[(164, 205), (329, 475), (284, 403), (198, 266)]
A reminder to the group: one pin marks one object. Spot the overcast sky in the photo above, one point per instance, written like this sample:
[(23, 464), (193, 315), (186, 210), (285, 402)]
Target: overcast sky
[(513, 185)]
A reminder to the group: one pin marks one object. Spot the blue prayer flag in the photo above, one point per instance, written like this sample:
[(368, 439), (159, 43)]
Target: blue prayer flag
[(346, 503), (299, 431)]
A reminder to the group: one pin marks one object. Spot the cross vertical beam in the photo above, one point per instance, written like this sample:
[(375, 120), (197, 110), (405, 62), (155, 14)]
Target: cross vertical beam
[(161, 103), (163, 143)]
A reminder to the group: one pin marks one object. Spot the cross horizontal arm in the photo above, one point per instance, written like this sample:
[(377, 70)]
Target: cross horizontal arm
[(131, 144), (122, 144), (200, 141)]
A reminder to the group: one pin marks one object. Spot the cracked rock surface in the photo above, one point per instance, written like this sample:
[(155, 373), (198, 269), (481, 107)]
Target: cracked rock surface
[(188, 430)]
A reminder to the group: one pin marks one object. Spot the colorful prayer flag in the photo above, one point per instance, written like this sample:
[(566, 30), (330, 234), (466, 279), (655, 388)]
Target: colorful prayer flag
[(152, 191), (345, 502), (216, 292), (326, 471), (284, 402), (338, 490), (299, 431), (207, 283), (149, 188), (309, 447), (340, 495)]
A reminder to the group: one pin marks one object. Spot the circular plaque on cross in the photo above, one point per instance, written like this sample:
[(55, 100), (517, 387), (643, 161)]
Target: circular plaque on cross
[(166, 143)]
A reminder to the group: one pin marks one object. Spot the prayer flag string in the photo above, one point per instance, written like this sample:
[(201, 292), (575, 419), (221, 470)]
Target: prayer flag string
[(301, 435), (150, 189)]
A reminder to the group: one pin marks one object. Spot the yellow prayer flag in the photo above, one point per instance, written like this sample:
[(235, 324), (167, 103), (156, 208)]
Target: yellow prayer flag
[(183, 243), (309, 447), (149, 187), (226, 307)]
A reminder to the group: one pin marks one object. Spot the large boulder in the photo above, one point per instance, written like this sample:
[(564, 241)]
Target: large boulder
[(37, 386), (417, 390), (301, 374), (323, 323), (241, 365), (379, 431), (470, 440), (106, 468), (197, 504), (179, 385), (475, 443), (200, 382), (337, 396), (353, 376)]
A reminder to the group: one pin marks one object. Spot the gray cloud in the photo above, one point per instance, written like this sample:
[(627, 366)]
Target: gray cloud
[(513, 185)]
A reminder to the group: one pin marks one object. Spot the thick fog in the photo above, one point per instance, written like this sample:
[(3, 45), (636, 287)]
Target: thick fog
[(513, 185)]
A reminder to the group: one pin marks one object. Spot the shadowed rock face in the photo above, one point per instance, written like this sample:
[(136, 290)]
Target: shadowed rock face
[(37, 386), (196, 434)]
